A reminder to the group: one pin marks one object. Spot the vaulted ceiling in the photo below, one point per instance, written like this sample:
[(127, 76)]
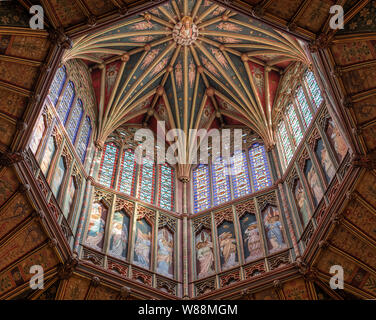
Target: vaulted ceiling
[(193, 64)]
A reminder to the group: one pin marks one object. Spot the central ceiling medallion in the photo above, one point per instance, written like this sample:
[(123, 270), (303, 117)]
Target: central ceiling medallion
[(185, 31)]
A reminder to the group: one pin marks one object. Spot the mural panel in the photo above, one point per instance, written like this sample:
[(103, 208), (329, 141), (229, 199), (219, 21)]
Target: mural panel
[(227, 245), (58, 177), (324, 160), (337, 141), (48, 155), (204, 254), (165, 262), (142, 251), (313, 181), (119, 235), (252, 243), (97, 223), (301, 202), (273, 229)]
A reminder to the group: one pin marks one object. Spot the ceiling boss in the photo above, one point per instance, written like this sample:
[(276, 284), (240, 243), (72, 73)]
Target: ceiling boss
[(185, 31)]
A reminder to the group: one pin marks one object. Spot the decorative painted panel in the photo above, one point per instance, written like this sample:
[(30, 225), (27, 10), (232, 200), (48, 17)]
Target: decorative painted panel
[(146, 183), (70, 198), (166, 187), (303, 106), (127, 172), (142, 247), (84, 139), (259, 167), (221, 182), (313, 88), (66, 102), (201, 188), (108, 165), (48, 155), (75, 120), (240, 175), (336, 140), (58, 177), (252, 243), (313, 181), (119, 235), (204, 254), (301, 202), (165, 262), (57, 85), (38, 133), (227, 245), (97, 224), (273, 229), (324, 160)]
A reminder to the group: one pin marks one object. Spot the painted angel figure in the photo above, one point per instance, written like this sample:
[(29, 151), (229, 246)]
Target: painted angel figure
[(119, 240), (96, 229), (205, 256), (274, 230), (228, 249), (253, 242), (165, 253), (142, 248)]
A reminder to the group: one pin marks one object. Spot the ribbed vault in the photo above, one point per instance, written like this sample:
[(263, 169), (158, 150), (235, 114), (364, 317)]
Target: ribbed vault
[(193, 64)]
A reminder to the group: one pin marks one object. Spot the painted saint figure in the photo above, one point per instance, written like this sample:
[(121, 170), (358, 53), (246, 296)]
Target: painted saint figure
[(142, 248), (301, 202), (165, 253), (313, 180), (119, 236), (97, 223), (253, 242), (205, 255), (273, 229), (337, 140), (227, 245)]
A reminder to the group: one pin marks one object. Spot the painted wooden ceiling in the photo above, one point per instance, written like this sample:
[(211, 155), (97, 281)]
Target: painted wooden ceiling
[(192, 63)]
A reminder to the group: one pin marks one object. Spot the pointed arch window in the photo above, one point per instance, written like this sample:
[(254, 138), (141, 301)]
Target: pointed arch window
[(84, 139), (240, 175), (285, 142), (221, 181), (57, 85), (166, 187), (201, 188), (313, 88), (147, 181), (127, 172), (108, 165), (303, 106), (259, 167), (294, 124), (66, 102), (75, 120)]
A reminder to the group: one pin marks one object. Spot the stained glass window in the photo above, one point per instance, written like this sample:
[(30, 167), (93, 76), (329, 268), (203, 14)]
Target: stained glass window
[(84, 139), (285, 142), (221, 183), (74, 121), (313, 88), (57, 85), (294, 124), (108, 165), (66, 102), (303, 106), (127, 173), (166, 187), (259, 167), (147, 181), (201, 188), (240, 175)]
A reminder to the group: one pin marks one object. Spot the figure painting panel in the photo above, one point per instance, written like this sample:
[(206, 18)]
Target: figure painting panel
[(97, 223), (273, 229), (227, 245), (48, 155), (119, 235), (165, 265), (204, 254), (301, 202), (252, 243), (58, 177), (37, 135), (324, 159), (313, 181), (142, 251), (337, 141), (69, 199)]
